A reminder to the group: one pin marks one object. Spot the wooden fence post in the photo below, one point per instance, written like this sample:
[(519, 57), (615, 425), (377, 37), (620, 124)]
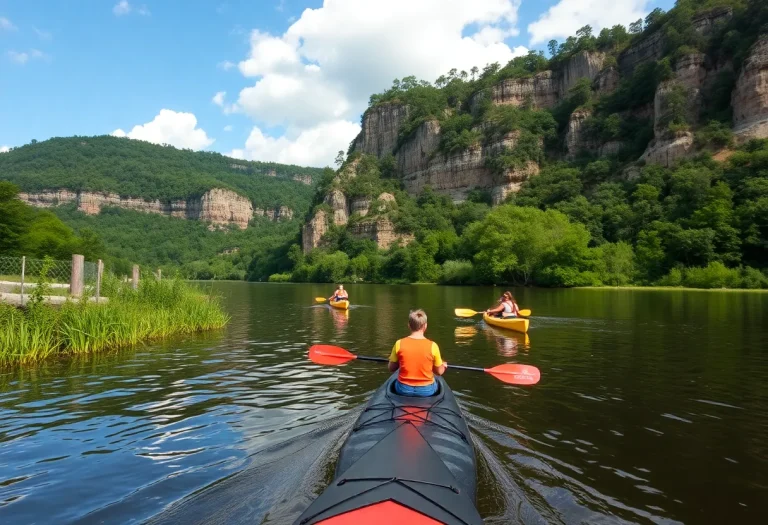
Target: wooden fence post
[(76, 278), (135, 276), (99, 273), (23, 269)]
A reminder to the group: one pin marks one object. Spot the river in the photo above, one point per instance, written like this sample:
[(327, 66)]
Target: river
[(652, 408)]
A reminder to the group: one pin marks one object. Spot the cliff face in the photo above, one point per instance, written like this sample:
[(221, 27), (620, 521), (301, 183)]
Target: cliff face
[(750, 98), (455, 174), (218, 206), (581, 65), (304, 179), (377, 227), (575, 139), (381, 124), (649, 48), (540, 90)]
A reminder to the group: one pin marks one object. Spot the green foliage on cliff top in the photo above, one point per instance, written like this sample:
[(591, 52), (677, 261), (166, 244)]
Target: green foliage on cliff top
[(139, 169)]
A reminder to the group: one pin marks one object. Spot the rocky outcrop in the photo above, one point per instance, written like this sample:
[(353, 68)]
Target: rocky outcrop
[(610, 148), (690, 75), (705, 22), (576, 140), (607, 81), (338, 203), (648, 49), (668, 151), (218, 206), (304, 179), (382, 231), (540, 91), (585, 64), (454, 174), (750, 97), (280, 213), (312, 232), (381, 125), (512, 181), (360, 205)]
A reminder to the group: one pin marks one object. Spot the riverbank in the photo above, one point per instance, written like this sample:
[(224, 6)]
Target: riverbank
[(157, 309), (672, 288)]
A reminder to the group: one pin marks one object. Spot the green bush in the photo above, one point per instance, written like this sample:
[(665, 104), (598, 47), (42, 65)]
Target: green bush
[(280, 278), (457, 272)]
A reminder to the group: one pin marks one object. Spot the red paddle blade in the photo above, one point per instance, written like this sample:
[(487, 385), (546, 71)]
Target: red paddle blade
[(329, 355), (516, 374)]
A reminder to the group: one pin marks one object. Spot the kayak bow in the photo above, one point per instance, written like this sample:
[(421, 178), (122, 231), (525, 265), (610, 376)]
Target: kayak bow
[(341, 305), (407, 460)]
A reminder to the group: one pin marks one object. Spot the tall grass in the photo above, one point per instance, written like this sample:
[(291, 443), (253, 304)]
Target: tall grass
[(156, 310)]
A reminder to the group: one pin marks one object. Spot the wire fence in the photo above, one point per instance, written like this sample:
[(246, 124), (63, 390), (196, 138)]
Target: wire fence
[(19, 276)]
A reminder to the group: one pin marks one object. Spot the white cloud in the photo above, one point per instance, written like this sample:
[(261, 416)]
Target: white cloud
[(42, 35), (5, 149), (123, 7), (170, 127), (322, 70), (563, 19), (315, 146), (226, 65), (228, 127), (218, 98), (6, 25), (22, 57)]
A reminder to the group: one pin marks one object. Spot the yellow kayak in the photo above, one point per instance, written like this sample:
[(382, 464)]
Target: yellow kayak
[(341, 305), (518, 324)]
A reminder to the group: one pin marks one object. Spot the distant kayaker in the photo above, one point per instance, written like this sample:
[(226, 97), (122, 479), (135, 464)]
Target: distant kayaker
[(507, 307), (339, 295), (418, 360)]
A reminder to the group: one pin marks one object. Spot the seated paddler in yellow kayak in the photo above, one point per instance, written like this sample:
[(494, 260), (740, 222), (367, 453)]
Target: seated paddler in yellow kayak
[(339, 295), (506, 308)]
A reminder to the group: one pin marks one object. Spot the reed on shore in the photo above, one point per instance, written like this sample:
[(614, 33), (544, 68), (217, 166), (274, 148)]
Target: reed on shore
[(155, 310)]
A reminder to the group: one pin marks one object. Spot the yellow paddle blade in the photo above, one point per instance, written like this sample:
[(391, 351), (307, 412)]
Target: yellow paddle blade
[(320, 299), (525, 313), (464, 312)]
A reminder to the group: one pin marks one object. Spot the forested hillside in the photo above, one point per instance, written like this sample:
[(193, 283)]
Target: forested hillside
[(139, 169), (149, 172), (621, 159)]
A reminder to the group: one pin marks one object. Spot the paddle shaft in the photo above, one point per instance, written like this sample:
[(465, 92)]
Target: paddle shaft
[(384, 360)]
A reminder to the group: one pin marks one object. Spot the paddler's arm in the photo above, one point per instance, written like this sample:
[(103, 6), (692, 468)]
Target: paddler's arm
[(394, 362), (438, 365), (495, 309)]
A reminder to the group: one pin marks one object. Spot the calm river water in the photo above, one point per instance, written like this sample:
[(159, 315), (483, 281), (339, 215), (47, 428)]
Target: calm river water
[(652, 407)]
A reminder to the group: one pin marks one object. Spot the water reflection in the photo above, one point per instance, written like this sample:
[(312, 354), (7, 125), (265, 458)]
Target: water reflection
[(507, 343), (647, 406)]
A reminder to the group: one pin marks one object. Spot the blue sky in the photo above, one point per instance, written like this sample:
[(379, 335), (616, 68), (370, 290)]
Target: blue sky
[(294, 90)]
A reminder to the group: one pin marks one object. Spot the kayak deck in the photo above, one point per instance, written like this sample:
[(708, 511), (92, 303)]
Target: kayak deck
[(518, 324), (406, 460), (341, 305)]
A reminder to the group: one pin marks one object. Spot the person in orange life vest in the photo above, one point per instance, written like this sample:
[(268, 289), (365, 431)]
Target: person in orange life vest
[(507, 307), (339, 295), (418, 360)]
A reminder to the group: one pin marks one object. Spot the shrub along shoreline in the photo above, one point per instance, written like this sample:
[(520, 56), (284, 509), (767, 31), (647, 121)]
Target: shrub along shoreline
[(157, 309)]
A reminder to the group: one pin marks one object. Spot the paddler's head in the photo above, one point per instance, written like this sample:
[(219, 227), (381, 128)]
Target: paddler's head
[(417, 321), (341, 287)]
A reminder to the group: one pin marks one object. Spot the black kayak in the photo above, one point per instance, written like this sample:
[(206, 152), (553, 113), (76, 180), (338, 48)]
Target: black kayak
[(407, 460)]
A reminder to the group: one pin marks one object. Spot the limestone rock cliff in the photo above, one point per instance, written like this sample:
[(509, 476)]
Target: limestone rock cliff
[(648, 49), (304, 179), (607, 81), (454, 174), (586, 64), (668, 151), (381, 125), (575, 138), (312, 232), (705, 22), (690, 75), (541, 91), (218, 206), (750, 97), (376, 226), (381, 231), (338, 203)]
